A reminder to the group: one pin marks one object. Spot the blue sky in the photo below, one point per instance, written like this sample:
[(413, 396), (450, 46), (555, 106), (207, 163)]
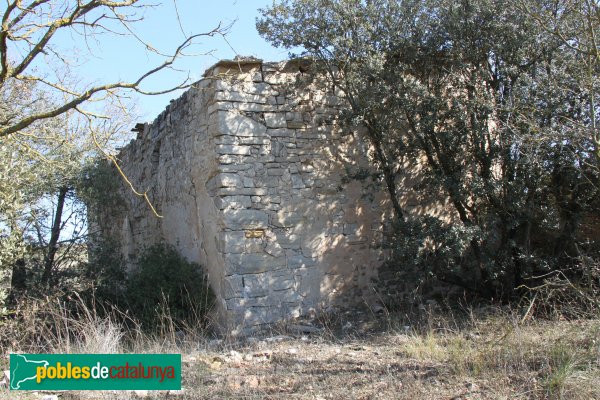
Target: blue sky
[(110, 58)]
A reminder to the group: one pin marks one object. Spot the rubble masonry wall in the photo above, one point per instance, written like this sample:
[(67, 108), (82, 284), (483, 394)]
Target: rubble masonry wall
[(251, 176)]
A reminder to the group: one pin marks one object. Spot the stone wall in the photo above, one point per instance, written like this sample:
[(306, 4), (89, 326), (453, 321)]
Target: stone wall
[(252, 178)]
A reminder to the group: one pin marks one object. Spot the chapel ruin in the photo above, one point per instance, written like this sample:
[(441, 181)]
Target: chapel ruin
[(256, 180)]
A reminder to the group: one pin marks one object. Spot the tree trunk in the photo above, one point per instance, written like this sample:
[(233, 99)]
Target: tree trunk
[(390, 182), (18, 281), (389, 176), (54, 235)]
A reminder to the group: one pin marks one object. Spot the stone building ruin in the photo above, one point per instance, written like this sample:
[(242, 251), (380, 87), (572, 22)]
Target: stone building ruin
[(251, 175)]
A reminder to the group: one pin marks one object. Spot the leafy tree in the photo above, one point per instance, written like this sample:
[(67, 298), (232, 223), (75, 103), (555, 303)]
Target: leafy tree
[(575, 23), (46, 221), (486, 101)]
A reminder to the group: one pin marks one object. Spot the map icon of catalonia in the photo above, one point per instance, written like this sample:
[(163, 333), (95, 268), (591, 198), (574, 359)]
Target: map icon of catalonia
[(23, 369)]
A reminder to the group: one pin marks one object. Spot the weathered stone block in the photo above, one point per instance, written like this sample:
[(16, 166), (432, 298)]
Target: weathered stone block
[(253, 107), (309, 134), (285, 219), (233, 149), (256, 285), (293, 310), (257, 76), (246, 219), (271, 181), (281, 280), (228, 159), (273, 248), (241, 191), (228, 140), (233, 286), (261, 315), (220, 106), (233, 305), (254, 244), (288, 240), (289, 159), (222, 85), (280, 132), (236, 124), (276, 148), (290, 116), (304, 167), (240, 97), (300, 261), (252, 140), (277, 79), (253, 263), (289, 295), (248, 182), (233, 202), (275, 120), (228, 180), (262, 89), (251, 303), (297, 182), (295, 125), (232, 242), (271, 199), (275, 171)]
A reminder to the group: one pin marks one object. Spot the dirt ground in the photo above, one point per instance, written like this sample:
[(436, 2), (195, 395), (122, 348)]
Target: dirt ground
[(374, 356), (494, 361)]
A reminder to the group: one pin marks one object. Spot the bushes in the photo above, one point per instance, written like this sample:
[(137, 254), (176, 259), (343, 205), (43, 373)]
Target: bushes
[(162, 284), (106, 275), (165, 284), (98, 304), (500, 133)]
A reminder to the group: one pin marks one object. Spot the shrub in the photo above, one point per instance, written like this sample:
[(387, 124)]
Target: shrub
[(166, 283), (105, 275)]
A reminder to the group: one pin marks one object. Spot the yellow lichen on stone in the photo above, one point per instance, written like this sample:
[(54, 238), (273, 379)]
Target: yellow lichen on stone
[(255, 233)]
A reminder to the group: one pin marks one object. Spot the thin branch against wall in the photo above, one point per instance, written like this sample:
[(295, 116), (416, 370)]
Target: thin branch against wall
[(114, 161)]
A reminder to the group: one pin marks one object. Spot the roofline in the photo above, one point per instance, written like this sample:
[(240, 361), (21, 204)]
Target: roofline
[(232, 64)]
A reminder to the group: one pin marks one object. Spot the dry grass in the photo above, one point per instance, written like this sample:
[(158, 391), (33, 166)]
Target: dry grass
[(485, 355), (492, 357)]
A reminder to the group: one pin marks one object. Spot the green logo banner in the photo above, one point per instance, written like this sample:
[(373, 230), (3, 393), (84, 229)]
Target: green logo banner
[(95, 371)]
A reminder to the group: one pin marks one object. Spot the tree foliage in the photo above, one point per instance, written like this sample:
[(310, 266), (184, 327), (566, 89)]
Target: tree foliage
[(45, 187), (165, 283), (495, 105)]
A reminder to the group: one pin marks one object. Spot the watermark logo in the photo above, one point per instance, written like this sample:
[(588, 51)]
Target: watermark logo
[(95, 371)]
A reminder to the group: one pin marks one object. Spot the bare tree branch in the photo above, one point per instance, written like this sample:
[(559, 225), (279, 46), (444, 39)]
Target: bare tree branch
[(27, 32)]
